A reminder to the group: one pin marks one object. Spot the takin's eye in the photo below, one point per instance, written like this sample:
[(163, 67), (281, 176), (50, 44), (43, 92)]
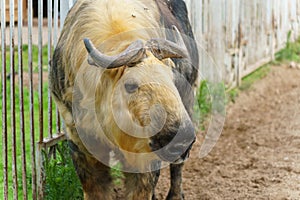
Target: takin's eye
[(131, 86)]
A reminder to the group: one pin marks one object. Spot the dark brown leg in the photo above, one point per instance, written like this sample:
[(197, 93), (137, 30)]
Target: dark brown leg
[(156, 177), (94, 176), (140, 186), (176, 192)]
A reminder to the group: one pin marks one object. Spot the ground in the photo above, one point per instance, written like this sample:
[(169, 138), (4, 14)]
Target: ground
[(258, 153)]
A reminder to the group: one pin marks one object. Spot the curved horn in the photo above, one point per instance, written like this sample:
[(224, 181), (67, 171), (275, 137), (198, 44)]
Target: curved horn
[(133, 54), (162, 48)]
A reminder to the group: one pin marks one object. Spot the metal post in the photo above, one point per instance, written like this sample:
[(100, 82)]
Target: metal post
[(55, 40), (49, 19), (4, 103), (40, 169), (31, 102), (12, 100), (21, 96)]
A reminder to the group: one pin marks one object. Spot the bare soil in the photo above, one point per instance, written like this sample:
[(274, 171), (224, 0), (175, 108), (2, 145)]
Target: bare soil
[(258, 153)]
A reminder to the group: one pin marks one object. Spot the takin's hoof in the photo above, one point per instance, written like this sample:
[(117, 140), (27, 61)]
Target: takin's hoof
[(154, 197), (173, 196)]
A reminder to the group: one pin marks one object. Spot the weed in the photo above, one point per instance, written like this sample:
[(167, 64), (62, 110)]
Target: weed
[(204, 99), (117, 174), (232, 95), (291, 52), (258, 74), (61, 179), (210, 98)]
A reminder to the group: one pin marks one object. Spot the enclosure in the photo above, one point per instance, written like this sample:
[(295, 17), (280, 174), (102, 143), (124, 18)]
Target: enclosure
[(238, 35)]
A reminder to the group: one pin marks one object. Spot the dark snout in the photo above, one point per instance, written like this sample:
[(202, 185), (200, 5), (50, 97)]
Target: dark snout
[(173, 145)]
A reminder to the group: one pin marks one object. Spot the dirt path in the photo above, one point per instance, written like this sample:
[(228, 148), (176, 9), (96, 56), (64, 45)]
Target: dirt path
[(258, 153)]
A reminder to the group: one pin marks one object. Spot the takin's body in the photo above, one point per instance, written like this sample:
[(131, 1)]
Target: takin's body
[(101, 107)]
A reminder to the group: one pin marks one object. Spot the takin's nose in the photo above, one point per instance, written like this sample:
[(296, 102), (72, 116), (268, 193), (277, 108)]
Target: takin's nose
[(174, 144)]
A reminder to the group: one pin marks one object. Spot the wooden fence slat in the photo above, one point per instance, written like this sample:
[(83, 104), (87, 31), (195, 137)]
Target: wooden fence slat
[(240, 35)]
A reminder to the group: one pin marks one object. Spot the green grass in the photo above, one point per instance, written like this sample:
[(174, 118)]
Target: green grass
[(247, 82), (210, 98), (291, 52), (253, 77), (117, 174), (61, 179), (18, 135), (26, 121)]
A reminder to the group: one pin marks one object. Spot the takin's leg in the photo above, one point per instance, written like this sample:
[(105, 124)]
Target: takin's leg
[(141, 186), (94, 176), (156, 175), (176, 192)]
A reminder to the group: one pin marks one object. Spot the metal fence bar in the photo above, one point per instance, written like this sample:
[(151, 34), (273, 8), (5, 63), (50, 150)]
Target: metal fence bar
[(4, 103), (55, 23), (40, 171), (49, 19), (64, 8), (21, 98), (40, 69), (31, 103), (55, 40), (71, 2), (12, 100)]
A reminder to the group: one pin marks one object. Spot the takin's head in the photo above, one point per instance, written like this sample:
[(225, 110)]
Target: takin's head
[(140, 109)]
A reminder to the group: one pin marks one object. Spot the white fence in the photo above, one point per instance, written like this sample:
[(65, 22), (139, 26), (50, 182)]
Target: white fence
[(241, 35)]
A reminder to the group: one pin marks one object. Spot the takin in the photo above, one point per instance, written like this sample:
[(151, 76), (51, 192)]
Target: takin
[(123, 76)]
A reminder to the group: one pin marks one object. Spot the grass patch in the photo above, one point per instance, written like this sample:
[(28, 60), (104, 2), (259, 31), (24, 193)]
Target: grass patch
[(210, 99), (247, 82), (117, 174), (18, 136), (291, 52), (61, 179), (258, 74)]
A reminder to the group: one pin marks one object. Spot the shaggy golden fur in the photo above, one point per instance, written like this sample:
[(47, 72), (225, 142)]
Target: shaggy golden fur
[(112, 28), (103, 108)]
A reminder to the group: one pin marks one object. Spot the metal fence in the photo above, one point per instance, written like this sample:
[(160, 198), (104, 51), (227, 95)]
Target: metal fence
[(239, 35), (30, 121)]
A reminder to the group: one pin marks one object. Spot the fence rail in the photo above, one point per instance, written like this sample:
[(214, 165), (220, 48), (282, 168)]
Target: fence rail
[(238, 35)]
